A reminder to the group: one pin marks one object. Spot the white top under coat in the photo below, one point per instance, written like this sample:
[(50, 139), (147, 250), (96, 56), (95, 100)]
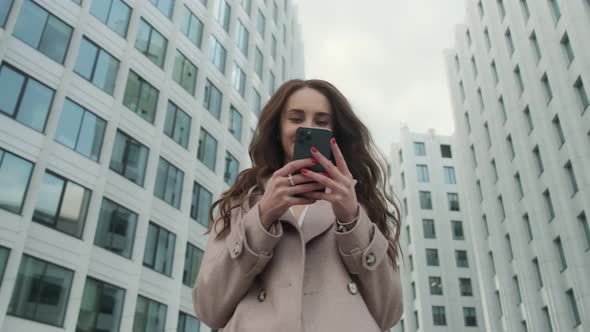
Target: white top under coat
[(301, 217)]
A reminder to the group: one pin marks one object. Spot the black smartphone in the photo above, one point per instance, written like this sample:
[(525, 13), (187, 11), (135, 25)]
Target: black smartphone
[(306, 138)]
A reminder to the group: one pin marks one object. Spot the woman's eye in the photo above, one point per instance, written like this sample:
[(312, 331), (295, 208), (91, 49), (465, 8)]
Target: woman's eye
[(296, 120), (322, 123)]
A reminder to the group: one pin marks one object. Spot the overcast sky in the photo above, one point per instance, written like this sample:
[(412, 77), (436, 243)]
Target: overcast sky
[(386, 56)]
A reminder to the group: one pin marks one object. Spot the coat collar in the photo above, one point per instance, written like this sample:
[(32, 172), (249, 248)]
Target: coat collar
[(318, 218)]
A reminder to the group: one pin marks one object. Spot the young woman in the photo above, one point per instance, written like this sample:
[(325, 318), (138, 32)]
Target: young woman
[(324, 263)]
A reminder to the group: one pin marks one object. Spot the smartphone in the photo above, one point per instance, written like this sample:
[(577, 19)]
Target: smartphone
[(306, 138)]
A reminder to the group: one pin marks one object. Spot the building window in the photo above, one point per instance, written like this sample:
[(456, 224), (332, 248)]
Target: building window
[(159, 249), (231, 168), (479, 191), (518, 182), (403, 177), (191, 27), (235, 123), (419, 149), (192, 262), (165, 7), (4, 254), (187, 323), (41, 291), (273, 48), (271, 83), (43, 31), (501, 9), (258, 59), (494, 170), (62, 205), (141, 97), (517, 287), (185, 73), (435, 284), (549, 205), (467, 122), (242, 38), (548, 92), (23, 98), (129, 158), (488, 137), (239, 80), (585, 229), (457, 226), (114, 13), (554, 6), (465, 287), (202, 199), (445, 151), (510, 147), (461, 258), (473, 156), (528, 118), (217, 54), (539, 161), (256, 102), (538, 271), (480, 99), (261, 24), (224, 14), (509, 247), (422, 171), (151, 43), (15, 173), (101, 308), (502, 210), (527, 225), (453, 199), (177, 125), (80, 130), (486, 35), (509, 42), (547, 319), (149, 314), (581, 93), (485, 225), (492, 265), (567, 48), (535, 46), (502, 108), (559, 247), (519, 81), (474, 67), (425, 200), (406, 210), (413, 285), (494, 72), (416, 320), (432, 257), (212, 99), (207, 151), (97, 66), (525, 9), (468, 37), (469, 316), (428, 228), (572, 177), (480, 9), (411, 259), (116, 228), (169, 180), (438, 315), (462, 91), (574, 307), (5, 7)]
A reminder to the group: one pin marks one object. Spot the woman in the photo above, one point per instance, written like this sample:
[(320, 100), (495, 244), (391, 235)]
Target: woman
[(327, 262)]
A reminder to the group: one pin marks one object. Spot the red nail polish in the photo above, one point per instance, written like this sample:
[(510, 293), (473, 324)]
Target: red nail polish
[(304, 170), (314, 161), (333, 141), (314, 150)]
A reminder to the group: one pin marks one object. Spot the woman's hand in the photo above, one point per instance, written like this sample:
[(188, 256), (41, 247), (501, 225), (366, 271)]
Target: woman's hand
[(340, 182), (278, 195)]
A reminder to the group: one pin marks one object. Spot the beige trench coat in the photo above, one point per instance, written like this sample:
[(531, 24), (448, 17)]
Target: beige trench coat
[(310, 278)]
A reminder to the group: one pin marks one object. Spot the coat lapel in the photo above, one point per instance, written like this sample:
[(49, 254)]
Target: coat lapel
[(318, 219)]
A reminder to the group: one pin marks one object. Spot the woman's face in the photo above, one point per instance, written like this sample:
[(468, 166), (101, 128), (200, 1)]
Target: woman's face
[(306, 107)]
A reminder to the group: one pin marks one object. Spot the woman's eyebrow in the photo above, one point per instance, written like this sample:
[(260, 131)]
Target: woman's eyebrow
[(296, 110)]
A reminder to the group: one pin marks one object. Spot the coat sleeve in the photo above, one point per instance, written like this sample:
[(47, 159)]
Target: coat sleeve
[(364, 252), (230, 264)]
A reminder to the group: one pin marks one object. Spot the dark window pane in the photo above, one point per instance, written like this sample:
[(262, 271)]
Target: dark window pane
[(11, 83), (159, 249), (30, 24), (48, 199), (101, 307), (202, 199), (5, 7), (119, 17), (105, 73), (116, 228), (91, 135), (35, 105), (149, 315), (56, 39), (15, 173), (73, 209), (86, 58), (4, 254)]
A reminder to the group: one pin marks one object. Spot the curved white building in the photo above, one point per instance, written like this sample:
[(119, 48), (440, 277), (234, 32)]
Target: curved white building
[(120, 122)]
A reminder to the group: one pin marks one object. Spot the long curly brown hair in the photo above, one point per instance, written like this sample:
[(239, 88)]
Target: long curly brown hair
[(364, 162)]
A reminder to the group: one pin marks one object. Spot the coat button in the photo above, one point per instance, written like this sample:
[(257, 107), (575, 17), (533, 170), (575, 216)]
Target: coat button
[(370, 259), (341, 229), (237, 248), (352, 288), (262, 296)]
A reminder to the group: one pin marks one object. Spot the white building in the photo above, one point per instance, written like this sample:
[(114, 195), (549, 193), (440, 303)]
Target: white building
[(120, 122), (440, 286), (519, 77)]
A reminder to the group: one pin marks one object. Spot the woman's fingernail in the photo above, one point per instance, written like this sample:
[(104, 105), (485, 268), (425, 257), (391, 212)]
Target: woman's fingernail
[(314, 161), (333, 141), (304, 170), (314, 150)]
